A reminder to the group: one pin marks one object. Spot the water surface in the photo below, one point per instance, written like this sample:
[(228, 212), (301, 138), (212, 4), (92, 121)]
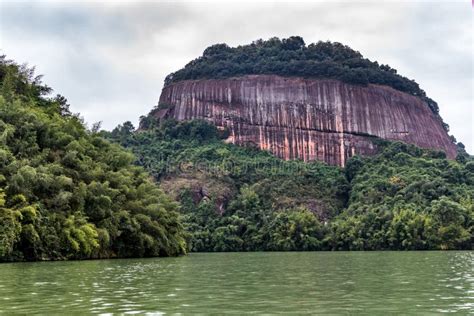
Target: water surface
[(292, 282)]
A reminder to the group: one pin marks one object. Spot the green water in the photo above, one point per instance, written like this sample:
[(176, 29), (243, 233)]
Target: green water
[(313, 283)]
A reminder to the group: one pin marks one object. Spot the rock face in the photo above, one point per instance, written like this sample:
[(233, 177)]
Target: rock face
[(307, 119)]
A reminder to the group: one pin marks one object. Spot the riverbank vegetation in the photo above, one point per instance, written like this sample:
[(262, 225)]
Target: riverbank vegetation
[(66, 192), (242, 199)]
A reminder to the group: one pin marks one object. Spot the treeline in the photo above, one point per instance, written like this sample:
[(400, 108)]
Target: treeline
[(292, 57), (242, 199), (66, 192)]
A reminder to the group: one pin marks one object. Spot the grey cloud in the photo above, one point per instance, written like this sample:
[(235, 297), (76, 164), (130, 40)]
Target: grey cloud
[(110, 59)]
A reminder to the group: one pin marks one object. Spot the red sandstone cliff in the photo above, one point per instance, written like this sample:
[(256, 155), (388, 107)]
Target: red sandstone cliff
[(305, 118)]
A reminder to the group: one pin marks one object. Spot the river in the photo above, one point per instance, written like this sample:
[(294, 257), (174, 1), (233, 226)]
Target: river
[(236, 283)]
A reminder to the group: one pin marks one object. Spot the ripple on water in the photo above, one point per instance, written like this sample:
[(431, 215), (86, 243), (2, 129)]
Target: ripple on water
[(331, 283)]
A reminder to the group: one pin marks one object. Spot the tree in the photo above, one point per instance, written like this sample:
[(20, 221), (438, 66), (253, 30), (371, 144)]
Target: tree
[(295, 230), (450, 218), (66, 192)]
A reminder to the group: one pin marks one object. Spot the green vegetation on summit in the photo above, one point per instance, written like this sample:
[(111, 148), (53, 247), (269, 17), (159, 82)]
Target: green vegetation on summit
[(291, 57), (67, 193)]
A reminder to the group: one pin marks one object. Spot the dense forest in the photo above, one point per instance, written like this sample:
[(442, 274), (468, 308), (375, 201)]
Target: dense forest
[(66, 192), (72, 192), (243, 199), (292, 57)]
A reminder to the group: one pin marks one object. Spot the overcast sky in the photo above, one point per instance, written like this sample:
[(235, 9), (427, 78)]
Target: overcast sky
[(109, 59)]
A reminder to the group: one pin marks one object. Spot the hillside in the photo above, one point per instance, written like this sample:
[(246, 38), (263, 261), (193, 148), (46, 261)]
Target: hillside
[(67, 193), (242, 199)]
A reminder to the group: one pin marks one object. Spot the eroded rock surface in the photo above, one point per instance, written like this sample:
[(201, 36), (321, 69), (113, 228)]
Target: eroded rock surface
[(307, 119)]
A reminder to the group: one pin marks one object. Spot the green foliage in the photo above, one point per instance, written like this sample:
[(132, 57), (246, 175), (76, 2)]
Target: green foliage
[(295, 230), (10, 229), (67, 193), (292, 57), (411, 198), (242, 199), (235, 198), (454, 223)]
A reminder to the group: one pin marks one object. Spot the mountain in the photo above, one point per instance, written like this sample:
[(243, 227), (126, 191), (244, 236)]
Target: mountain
[(69, 192), (320, 101), (335, 153)]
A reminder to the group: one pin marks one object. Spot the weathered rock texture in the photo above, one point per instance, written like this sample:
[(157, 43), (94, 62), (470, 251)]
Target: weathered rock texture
[(304, 118)]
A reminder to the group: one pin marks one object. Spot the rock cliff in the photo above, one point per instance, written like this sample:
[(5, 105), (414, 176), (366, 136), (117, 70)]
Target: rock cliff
[(306, 119)]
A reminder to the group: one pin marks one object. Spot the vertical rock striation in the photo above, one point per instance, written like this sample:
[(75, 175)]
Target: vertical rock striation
[(307, 119)]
